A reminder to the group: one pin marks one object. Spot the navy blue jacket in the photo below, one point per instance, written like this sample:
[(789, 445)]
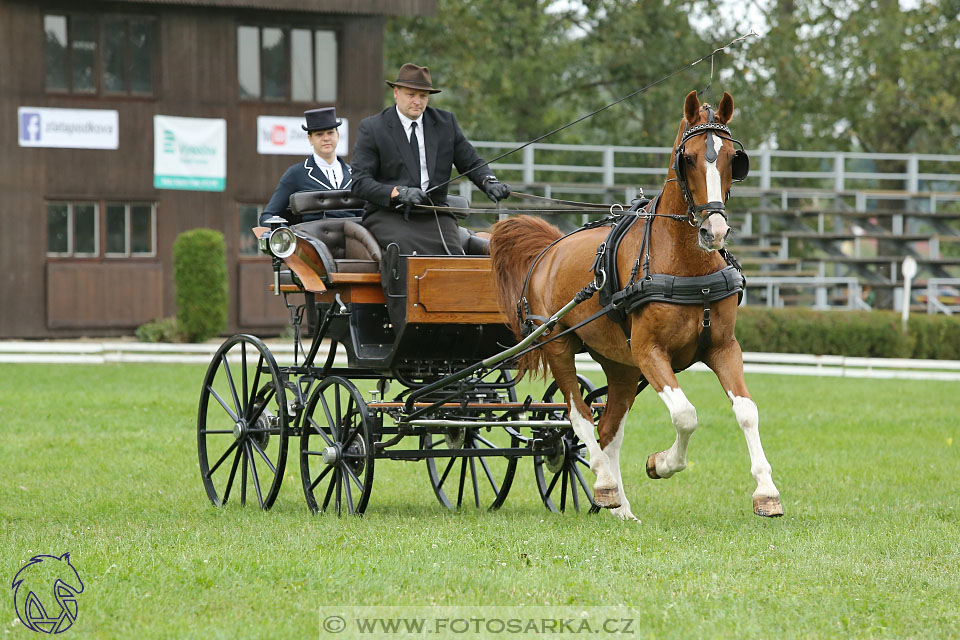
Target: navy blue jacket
[(306, 176)]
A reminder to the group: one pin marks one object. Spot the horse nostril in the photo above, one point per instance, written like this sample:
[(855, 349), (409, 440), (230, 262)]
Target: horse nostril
[(705, 235)]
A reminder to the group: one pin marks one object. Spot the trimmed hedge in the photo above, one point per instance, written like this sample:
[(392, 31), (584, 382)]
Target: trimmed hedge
[(200, 276), (874, 334)]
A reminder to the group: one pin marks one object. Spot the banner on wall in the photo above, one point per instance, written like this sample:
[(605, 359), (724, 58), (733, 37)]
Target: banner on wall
[(189, 153), (68, 128), (283, 135)]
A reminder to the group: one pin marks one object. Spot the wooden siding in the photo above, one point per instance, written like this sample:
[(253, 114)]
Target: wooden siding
[(196, 77), (78, 292), (368, 7)]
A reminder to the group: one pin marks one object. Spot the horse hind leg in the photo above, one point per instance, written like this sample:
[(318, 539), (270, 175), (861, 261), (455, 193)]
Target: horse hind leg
[(605, 489), (621, 391)]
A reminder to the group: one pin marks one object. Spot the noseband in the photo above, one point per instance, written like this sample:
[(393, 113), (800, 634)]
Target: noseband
[(740, 165)]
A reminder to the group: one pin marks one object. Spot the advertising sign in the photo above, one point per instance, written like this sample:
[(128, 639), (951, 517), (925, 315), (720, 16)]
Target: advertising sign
[(68, 128), (282, 135), (189, 153)]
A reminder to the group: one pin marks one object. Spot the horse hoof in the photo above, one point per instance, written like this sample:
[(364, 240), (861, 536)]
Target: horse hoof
[(767, 507), (606, 498), (652, 467)]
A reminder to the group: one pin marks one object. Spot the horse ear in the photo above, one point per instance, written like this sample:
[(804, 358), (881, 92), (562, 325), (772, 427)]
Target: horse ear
[(691, 108), (725, 112)]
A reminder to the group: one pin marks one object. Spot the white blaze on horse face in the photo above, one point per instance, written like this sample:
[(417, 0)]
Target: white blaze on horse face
[(714, 186), (719, 229)]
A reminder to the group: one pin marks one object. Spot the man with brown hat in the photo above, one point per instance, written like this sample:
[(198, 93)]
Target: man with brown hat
[(322, 171), (404, 151)]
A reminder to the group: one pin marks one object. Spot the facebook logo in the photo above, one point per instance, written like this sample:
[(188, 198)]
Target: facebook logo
[(30, 126)]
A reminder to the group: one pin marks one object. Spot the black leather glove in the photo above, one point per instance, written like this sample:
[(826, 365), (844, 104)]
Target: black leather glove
[(495, 189), (411, 195)]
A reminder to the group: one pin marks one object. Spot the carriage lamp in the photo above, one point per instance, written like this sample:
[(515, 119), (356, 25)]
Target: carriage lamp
[(282, 242)]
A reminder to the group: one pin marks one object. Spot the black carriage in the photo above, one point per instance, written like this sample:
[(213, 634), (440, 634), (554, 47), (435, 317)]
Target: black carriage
[(424, 336)]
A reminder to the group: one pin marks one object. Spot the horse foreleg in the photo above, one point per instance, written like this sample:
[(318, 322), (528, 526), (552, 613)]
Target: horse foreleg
[(683, 414), (728, 365)]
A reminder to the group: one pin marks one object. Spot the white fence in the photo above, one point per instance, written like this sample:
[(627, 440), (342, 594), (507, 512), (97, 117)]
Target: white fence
[(56, 352)]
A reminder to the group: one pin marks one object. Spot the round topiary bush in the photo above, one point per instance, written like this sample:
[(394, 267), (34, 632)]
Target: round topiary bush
[(200, 277)]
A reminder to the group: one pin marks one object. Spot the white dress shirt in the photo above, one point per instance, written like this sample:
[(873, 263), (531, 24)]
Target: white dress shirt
[(334, 172), (406, 122)]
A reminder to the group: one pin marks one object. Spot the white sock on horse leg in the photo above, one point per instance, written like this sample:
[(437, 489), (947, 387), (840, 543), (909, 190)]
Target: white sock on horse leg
[(599, 463), (684, 417), (612, 450), (748, 417)]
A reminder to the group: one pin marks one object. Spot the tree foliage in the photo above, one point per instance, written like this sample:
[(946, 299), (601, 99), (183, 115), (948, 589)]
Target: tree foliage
[(868, 75)]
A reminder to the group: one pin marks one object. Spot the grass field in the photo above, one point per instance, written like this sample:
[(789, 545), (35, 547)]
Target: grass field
[(100, 461)]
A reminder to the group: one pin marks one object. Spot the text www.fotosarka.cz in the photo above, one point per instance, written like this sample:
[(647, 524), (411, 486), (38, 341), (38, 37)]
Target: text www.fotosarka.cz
[(475, 621)]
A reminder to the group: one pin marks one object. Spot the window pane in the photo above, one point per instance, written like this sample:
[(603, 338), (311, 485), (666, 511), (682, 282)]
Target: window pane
[(326, 66), (141, 228), (114, 55), (83, 41), (249, 218), (301, 66), (57, 223), (55, 52), (84, 229), (141, 56), (274, 64), (116, 229), (248, 61)]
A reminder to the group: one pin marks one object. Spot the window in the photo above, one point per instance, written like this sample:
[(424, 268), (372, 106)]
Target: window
[(249, 218), (130, 230), (91, 54), (73, 229), (281, 63)]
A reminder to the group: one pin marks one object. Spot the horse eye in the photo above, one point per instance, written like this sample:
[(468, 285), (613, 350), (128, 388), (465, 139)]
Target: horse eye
[(689, 159)]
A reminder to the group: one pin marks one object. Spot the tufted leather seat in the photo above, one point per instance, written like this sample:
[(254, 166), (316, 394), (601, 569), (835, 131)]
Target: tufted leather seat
[(344, 245)]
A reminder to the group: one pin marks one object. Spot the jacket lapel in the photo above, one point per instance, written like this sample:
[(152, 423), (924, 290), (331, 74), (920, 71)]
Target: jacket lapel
[(347, 176), (431, 141), (314, 173), (403, 145)]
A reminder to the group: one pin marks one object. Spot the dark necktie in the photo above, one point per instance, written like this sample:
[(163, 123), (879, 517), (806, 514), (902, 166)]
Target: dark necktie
[(415, 147)]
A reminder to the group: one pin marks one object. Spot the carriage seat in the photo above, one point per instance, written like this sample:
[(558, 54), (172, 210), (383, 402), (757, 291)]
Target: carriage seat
[(343, 244), (306, 202)]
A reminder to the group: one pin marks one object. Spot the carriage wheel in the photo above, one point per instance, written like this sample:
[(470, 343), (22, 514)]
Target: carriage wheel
[(242, 423), (478, 479), (337, 449), (560, 474)]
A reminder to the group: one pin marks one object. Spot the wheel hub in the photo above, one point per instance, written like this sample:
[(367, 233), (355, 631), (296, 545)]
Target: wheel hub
[(455, 438), (555, 460), (239, 430), (330, 455)]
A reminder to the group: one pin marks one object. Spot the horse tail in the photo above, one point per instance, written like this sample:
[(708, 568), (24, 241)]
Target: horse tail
[(514, 244)]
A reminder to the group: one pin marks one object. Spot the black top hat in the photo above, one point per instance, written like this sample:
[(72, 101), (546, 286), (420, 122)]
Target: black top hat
[(321, 119), (413, 77)]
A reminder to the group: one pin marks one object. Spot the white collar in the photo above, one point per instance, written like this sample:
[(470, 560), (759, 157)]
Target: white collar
[(323, 164), (405, 121)]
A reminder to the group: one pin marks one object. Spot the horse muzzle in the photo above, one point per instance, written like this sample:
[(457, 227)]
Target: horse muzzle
[(713, 230)]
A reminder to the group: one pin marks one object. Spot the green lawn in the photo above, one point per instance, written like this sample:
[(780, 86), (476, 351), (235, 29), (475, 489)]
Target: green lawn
[(101, 461)]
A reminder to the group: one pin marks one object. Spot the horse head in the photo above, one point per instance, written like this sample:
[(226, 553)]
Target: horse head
[(706, 161)]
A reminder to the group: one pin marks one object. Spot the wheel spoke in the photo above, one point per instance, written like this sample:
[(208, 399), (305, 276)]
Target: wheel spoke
[(347, 490), (493, 483), (243, 371), (233, 387), (330, 421), (479, 437), (431, 445), (463, 479), (256, 381), (553, 483), (264, 456), (222, 458), (320, 477), (473, 479), (338, 480), (333, 482), (337, 426), (563, 489), (263, 405), (233, 472), (253, 474), (353, 477), (243, 473), (320, 432), (215, 431), (573, 490), (223, 404), (583, 483), (445, 472)]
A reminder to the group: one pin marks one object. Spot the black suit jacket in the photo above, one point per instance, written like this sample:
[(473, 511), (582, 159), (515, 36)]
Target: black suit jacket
[(383, 159), (305, 176)]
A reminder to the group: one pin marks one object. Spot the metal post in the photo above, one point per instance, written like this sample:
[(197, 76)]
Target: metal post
[(765, 169), (528, 175), (608, 179), (838, 172)]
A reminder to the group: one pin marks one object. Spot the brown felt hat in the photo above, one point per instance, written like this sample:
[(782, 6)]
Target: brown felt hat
[(413, 77)]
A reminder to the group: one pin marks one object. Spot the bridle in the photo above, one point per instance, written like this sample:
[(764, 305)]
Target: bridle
[(740, 166)]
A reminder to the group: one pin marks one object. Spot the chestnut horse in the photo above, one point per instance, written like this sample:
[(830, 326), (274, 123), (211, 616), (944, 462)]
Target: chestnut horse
[(663, 336)]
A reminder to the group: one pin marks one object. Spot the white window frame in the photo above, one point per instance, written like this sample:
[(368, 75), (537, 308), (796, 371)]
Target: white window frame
[(127, 253), (71, 253)]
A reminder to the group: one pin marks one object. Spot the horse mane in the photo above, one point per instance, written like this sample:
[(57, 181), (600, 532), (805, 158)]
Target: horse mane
[(514, 244)]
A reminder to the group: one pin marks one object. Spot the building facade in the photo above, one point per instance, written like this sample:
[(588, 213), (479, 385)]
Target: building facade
[(138, 120)]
